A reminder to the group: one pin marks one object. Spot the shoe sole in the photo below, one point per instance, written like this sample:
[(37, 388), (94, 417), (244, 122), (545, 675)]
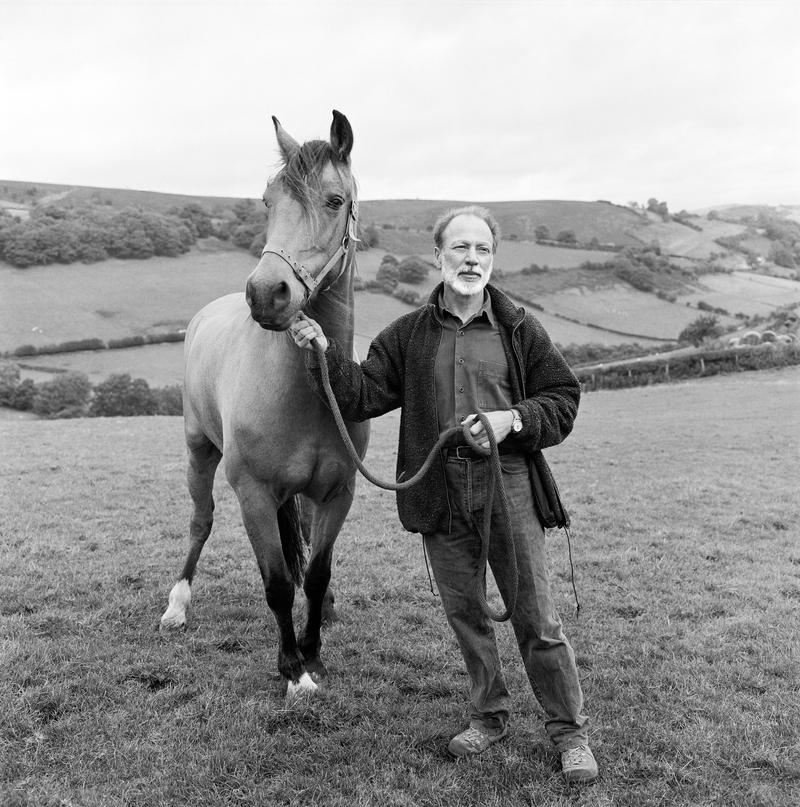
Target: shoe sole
[(580, 780), (492, 741)]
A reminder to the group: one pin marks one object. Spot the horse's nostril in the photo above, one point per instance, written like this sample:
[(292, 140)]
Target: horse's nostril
[(282, 295)]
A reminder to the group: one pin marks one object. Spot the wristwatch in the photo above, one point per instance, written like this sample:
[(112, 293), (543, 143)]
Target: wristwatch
[(516, 424)]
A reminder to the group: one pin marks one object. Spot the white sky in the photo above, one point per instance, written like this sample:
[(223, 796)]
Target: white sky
[(696, 102)]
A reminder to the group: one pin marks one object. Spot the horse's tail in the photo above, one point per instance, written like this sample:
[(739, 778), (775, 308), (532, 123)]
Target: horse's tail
[(293, 541)]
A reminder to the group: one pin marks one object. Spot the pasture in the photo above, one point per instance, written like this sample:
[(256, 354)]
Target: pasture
[(620, 307), (685, 535), (748, 292)]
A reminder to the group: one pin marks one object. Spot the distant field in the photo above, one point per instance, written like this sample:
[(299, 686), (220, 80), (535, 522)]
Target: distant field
[(747, 292), (625, 309), (511, 255), (119, 197), (676, 239), (601, 220), (47, 304)]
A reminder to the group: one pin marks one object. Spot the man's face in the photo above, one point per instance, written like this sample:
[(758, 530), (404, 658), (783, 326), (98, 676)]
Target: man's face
[(466, 255)]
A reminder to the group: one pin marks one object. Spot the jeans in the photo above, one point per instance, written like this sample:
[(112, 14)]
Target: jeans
[(546, 654)]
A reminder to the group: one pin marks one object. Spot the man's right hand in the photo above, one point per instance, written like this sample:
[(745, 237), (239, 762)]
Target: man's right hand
[(305, 330)]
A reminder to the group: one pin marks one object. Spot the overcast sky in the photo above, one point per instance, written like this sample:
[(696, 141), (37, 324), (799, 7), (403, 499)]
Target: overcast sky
[(696, 102)]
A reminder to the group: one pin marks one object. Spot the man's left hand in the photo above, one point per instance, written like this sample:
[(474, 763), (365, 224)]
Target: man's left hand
[(500, 422)]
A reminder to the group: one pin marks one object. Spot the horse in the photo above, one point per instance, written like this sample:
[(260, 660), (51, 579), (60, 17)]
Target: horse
[(247, 401)]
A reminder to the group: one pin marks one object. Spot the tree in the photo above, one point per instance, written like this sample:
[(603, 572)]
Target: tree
[(369, 237), (121, 395), (654, 206), (9, 379), (567, 237), (388, 272), (413, 269), (23, 395), (199, 219), (782, 256), (169, 400), (697, 331), (65, 395), (542, 232)]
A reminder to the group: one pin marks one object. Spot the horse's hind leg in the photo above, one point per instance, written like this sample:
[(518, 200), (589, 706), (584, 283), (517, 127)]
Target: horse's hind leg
[(328, 520), (204, 458)]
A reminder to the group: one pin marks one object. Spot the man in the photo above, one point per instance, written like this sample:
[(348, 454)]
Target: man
[(470, 350)]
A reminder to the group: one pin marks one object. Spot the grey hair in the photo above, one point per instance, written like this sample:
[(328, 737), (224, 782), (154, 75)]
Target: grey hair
[(482, 213)]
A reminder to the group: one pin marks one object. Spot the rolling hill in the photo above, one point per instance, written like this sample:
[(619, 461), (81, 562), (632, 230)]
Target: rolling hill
[(109, 299)]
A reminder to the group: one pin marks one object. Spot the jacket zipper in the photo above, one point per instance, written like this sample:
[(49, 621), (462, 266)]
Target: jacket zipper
[(436, 413)]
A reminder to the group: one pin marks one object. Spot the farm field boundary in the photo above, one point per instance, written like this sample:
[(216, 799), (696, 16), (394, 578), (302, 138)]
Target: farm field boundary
[(659, 369)]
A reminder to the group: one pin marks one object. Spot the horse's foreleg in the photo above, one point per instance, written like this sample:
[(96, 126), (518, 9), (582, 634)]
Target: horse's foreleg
[(327, 523), (204, 458), (260, 517)]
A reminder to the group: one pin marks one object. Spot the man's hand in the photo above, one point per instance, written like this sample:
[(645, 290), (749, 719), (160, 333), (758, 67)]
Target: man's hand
[(305, 330), (500, 422)]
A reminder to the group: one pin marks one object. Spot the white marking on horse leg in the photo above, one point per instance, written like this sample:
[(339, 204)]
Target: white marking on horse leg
[(179, 599), (305, 687)]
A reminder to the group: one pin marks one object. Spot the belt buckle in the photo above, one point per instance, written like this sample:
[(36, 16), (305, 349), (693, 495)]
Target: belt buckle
[(468, 449)]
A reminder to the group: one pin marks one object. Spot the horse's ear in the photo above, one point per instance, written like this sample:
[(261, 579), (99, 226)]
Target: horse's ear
[(287, 144), (341, 137)]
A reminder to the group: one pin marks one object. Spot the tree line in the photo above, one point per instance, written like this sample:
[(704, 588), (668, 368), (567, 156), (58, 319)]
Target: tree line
[(70, 395), (95, 232)]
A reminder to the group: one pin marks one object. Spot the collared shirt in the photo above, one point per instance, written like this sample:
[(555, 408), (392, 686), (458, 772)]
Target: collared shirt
[(471, 371)]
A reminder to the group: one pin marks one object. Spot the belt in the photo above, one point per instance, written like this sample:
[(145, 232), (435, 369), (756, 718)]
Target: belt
[(469, 453)]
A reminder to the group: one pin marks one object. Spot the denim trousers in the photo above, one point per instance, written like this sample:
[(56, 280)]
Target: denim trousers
[(454, 556)]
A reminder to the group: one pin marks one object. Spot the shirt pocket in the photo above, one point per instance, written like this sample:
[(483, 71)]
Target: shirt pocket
[(494, 390)]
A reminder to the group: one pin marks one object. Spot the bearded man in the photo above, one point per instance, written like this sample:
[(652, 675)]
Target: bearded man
[(470, 350)]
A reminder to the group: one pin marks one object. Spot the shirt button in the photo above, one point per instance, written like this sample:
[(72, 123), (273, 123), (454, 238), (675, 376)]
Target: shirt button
[(461, 333), (461, 389), (461, 361)]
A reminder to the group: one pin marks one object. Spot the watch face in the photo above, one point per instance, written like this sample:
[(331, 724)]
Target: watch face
[(517, 425)]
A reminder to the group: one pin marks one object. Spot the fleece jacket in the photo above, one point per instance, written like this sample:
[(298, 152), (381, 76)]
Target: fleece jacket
[(399, 372)]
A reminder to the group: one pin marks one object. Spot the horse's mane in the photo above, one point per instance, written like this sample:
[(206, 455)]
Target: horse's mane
[(301, 175)]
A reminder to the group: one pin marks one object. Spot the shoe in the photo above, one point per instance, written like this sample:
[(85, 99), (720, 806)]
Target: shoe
[(474, 741), (579, 765)]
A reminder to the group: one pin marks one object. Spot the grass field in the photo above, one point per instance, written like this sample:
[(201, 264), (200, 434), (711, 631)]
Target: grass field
[(112, 298), (747, 292), (624, 308), (685, 532)]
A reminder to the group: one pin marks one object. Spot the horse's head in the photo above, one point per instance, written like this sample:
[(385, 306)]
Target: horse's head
[(311, 222)]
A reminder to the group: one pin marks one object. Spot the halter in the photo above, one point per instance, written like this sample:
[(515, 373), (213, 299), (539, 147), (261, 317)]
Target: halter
[(349, 241)]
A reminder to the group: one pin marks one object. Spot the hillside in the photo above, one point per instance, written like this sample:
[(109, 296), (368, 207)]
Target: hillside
[(579, 293), (403, 226)]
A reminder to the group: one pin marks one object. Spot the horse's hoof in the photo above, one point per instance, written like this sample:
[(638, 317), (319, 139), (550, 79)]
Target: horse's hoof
[(304, 687), (171, 622)]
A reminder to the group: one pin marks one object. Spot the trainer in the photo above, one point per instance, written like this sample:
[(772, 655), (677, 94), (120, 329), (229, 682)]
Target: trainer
[(469, 349)]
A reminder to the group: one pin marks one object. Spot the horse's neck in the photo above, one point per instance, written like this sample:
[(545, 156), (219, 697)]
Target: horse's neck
[(333, 309)]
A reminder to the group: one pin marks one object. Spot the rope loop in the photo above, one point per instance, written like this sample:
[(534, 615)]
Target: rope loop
[(495, 486)]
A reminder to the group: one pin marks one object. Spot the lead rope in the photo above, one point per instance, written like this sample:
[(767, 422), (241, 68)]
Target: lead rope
[(572, 573), (495, 483)]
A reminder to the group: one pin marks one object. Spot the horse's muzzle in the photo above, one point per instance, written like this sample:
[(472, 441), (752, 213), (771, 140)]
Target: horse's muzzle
[(270, 304)]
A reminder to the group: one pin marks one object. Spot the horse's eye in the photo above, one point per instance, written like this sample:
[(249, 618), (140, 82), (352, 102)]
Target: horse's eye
[(335, 202)]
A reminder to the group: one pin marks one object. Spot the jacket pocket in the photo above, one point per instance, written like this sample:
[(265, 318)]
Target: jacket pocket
[(494, 390)]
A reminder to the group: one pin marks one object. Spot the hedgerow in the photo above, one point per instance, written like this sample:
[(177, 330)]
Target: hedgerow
[(665, 368), (70, 395)]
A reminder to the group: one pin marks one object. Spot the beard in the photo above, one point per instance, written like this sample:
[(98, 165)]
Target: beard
[(466, 288)]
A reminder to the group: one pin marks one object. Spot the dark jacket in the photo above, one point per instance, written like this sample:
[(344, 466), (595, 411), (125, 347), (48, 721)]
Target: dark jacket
[(399, 371)]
